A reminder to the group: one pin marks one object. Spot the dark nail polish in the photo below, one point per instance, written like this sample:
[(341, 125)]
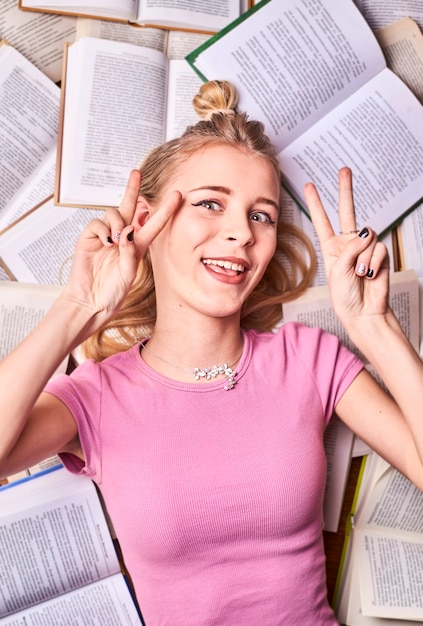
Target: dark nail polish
[(130, 236), (109, 239), (370, 273), (364, 232)]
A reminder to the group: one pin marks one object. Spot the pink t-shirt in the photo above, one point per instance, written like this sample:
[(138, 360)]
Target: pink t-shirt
[(216, 496)]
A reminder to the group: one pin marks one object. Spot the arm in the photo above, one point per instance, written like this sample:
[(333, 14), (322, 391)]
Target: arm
[(34, 425), (357, 269)]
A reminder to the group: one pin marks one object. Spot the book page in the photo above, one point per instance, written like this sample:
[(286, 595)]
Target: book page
[(183, 85), (40, 38), (348, 601), (22, 306), (402, 45), (411, 241), (292, 214), (314, 308), (381, 13), (38, 187), (118, 9), (389, 545), (180, 43), (29, 114), (378, 132), (378, 478), (338, 443), (122, 31), (51, 461), (410, 233), (197, 14), (53, 521), (3, 274), (107, 601), (391, 502), (349, 609), (39, 248), (113, 114), (291, 65)]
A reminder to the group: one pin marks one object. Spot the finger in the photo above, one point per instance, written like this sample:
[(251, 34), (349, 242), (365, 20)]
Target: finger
[(130, 196), (379, 260), (97, 229), (358, 253), (346, 212), (158, 220), (115, 222), (128, 254), (318, 214)]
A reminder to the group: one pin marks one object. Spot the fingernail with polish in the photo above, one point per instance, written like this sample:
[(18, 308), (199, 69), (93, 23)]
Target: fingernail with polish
[(130, 236), (109, 239), (117, 235), (361, 269), (364, 232), (370, 273)]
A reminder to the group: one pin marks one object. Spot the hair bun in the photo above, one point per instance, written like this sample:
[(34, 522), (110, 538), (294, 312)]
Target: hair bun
[(215, 96), (209, 114)]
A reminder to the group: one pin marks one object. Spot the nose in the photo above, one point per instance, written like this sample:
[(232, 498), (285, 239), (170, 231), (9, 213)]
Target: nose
[(238, 228)]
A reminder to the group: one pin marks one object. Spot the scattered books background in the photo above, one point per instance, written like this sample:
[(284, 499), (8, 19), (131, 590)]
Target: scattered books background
[(37, 236)]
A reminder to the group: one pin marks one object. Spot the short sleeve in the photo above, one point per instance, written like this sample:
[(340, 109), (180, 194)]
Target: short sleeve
[(81, 392), (331, 365)]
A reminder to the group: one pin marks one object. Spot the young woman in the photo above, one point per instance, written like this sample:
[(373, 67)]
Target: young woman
[(203, 428)]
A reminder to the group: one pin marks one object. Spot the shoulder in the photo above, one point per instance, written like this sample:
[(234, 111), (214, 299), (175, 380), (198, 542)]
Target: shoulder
[(293, 336), (118, 361), (92, 374), (297, 344)]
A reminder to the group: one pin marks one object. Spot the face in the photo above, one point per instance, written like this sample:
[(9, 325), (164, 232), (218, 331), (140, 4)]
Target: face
[(214, 251)]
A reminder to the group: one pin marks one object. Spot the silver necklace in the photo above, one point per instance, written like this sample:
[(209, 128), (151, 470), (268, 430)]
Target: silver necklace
[(205, 372)]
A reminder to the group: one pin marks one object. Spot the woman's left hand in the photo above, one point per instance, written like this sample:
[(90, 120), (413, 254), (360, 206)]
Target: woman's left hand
[(356, 263)]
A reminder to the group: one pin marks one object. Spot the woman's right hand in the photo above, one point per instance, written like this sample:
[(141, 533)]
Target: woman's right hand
[(108, 253)]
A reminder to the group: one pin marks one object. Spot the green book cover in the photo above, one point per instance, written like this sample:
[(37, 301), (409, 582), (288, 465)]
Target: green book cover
[(192, 56)]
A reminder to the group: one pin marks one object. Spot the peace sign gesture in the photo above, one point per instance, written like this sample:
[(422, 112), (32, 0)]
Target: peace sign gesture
[(356, 264), (108, 253)]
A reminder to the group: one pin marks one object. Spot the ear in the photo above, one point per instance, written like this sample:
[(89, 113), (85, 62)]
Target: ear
[(142, 213)]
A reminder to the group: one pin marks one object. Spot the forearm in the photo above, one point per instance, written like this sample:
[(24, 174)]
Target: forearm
[(383, 343), (25, 371)]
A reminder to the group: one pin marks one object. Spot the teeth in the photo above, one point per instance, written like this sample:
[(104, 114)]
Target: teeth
[(226, 264)]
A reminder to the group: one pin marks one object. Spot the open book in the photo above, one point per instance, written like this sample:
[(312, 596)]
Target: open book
[(39, 247), (381, 13), (59, 557), (314, 308), (22, 306), (176, 44), (315, 75), (29, 117), (402, 45), (118, 102), (381, 574), (198, 15), (40, 40)]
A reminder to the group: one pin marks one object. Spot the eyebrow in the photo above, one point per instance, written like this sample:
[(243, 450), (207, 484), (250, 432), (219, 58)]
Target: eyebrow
[(228, 192)]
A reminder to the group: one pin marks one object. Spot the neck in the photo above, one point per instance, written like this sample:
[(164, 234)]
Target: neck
[(201, 343), (191, 345)]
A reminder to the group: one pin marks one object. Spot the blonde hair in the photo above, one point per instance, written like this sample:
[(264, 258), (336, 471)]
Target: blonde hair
[(290, 270)]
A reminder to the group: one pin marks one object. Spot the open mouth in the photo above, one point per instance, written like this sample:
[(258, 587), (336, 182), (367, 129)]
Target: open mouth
[(226, 266)]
